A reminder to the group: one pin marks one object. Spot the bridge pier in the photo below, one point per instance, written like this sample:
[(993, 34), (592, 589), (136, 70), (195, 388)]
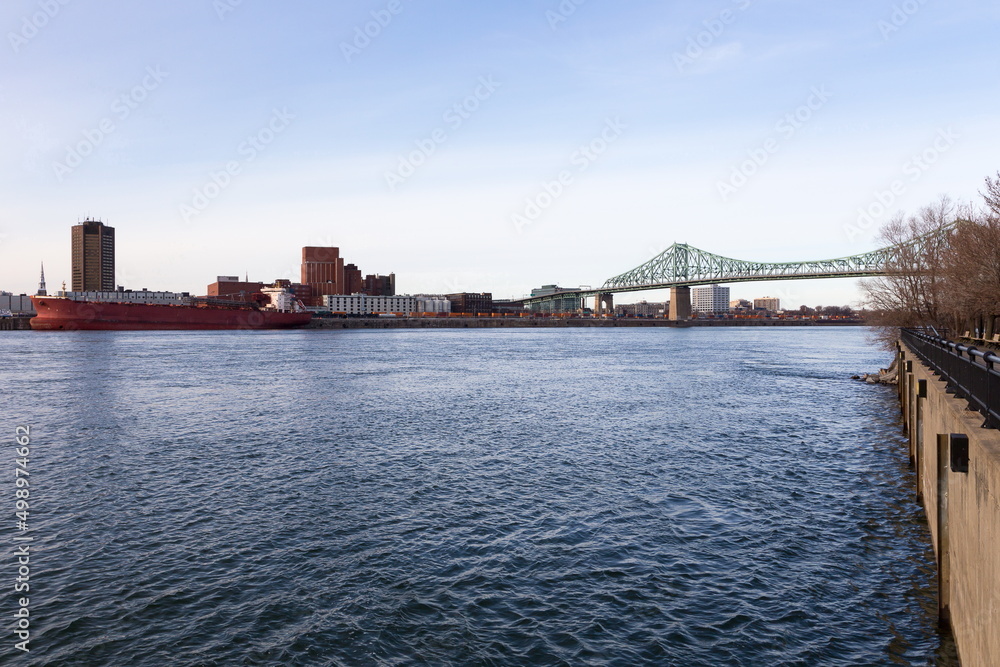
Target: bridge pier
[(604, 300), (680, 303)]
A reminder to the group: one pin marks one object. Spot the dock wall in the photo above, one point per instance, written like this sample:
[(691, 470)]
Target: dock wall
[(962, 501), (14, 323)]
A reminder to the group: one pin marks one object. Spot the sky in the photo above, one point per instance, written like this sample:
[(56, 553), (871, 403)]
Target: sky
[(470, 146)]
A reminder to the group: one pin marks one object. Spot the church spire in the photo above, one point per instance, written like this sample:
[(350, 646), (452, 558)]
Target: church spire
[(41, 283)]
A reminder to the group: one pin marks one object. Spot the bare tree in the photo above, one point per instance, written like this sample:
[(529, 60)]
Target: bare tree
[(972, 265), (992, 195), (912, 293), (940, 274)]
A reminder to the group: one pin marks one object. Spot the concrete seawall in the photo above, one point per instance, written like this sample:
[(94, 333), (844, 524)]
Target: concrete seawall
[(14, 323), (962, 500)]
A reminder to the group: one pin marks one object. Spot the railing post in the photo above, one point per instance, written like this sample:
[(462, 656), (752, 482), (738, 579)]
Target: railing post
[(986, 390)]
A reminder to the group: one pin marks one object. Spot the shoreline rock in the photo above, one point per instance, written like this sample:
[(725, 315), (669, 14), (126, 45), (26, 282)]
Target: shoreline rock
[(884, 376)]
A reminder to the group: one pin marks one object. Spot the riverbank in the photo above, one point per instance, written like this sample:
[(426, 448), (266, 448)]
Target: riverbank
[(558, 322), (23, 323)]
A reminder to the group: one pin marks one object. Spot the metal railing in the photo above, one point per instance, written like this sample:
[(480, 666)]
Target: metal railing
[(969, 373)]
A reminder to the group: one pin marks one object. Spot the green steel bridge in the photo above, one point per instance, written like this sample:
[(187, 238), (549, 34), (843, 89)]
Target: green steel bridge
[(682, 266)]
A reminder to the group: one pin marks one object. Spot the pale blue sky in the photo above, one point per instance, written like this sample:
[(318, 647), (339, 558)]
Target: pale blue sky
[(875, 84)]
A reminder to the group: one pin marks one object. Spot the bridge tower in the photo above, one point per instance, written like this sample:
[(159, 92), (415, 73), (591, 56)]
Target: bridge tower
[(680, 303), (602, 301)]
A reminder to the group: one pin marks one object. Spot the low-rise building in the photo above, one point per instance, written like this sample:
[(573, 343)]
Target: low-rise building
[(15, 304), (471, 303), (740, 304), (559, 300), (233, 289), (364, 304), (768, 303), (642, 309), (710, 299)]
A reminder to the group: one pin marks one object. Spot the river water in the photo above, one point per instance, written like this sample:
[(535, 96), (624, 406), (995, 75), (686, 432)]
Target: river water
[(499, 497)]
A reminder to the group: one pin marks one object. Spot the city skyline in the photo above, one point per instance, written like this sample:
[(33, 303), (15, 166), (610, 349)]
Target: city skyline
[(482, 148), (322, 272)]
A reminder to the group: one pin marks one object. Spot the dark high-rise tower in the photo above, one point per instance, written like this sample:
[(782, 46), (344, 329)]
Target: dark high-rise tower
[(93, 257)]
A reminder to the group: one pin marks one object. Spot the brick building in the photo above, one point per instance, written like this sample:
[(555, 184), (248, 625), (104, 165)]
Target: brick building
[(233, 289), (353, 282), (380, 285), (471, 303), (323, 272)]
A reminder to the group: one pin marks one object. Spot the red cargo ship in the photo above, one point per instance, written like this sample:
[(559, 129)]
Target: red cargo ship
[(56, 313)]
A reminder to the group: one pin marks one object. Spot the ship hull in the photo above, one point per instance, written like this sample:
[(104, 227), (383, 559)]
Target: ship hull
[(60, 314)]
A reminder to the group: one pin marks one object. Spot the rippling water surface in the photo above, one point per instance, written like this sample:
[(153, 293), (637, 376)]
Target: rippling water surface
[(549, 497)]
